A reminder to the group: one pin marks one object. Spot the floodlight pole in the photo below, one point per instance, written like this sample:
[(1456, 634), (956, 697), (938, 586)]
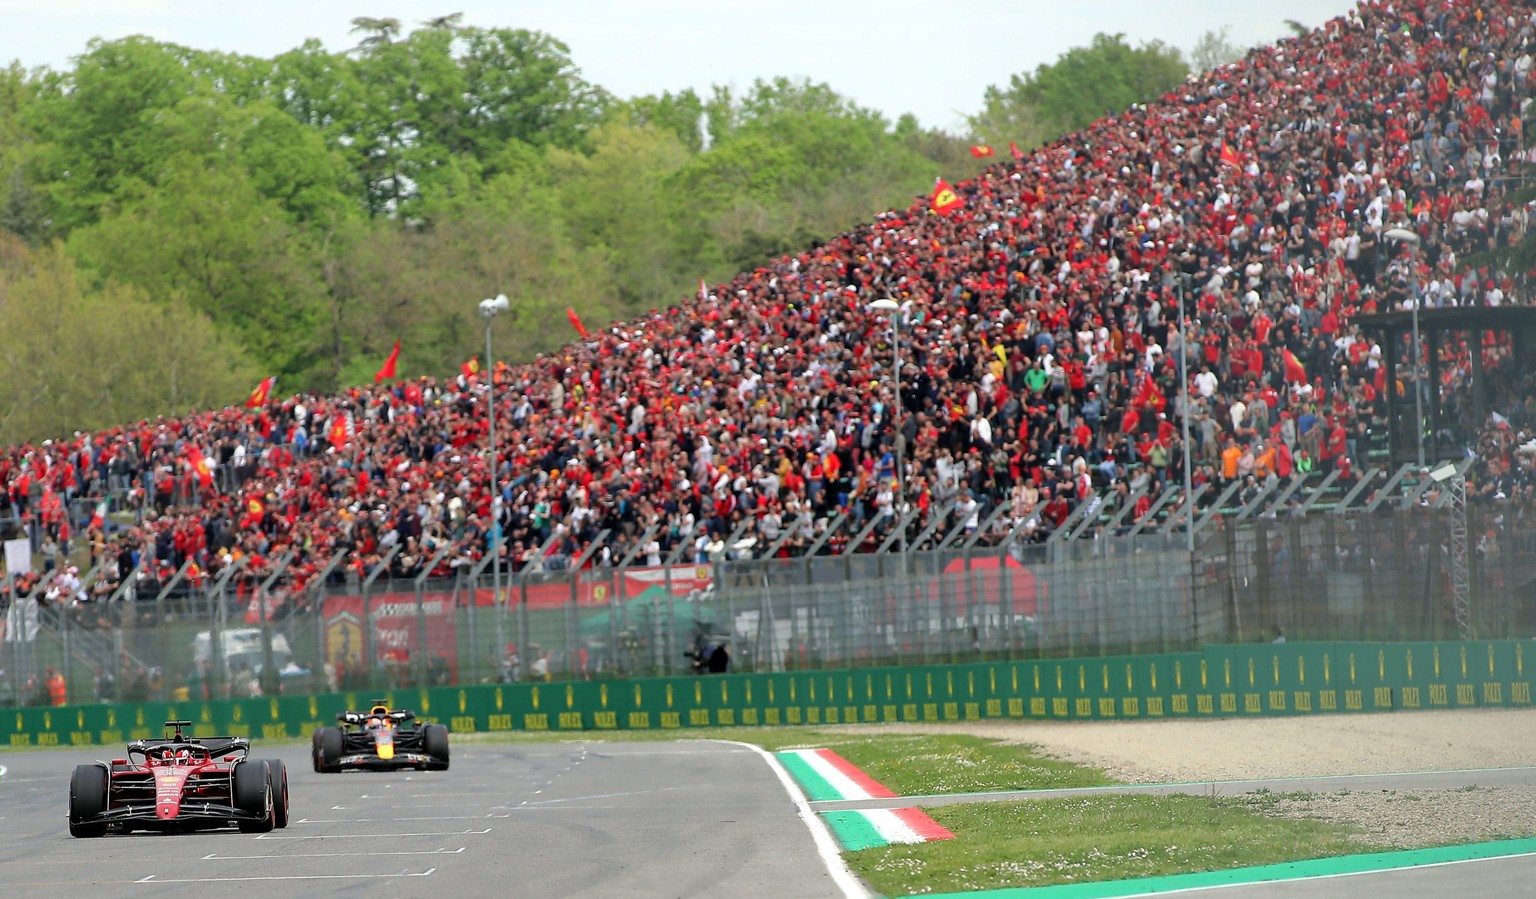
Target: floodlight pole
[(489, 309)]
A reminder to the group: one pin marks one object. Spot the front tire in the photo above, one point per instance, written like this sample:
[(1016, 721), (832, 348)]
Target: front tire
[(87, 800), (332, 745), (253, 796), (434, 742)]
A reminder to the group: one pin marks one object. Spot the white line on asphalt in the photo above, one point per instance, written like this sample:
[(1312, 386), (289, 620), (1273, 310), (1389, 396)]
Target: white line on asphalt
[(340, 808), (593, 796), (3, 769), (390, 820), (215, 857), (153, 878), (826, 845), (374, 836)]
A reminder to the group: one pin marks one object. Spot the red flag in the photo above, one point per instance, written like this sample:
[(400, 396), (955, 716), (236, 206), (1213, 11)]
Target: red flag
[(1014, 149), (1295, 372), (200, 465), (259, 396), (471, 367), (980, 150), (339, 433), (388, 371), (1231, 157), (99, 517), (944, 199), (581, 329)]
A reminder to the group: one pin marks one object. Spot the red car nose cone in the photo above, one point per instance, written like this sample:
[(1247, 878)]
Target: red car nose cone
[(165, 810)]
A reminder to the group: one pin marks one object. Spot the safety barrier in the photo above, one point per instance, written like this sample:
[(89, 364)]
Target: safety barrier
[(1219, 681)]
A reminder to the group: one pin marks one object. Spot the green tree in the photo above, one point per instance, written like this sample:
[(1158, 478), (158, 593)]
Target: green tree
[(205, 236), (22, 207), (96, 123), (681, 114), (1214, 48), (1083, 85), (523, 86), (75, 358)]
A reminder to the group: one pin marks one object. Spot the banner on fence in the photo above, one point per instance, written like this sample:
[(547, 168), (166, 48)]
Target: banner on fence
[(397, 629), (599, 591)]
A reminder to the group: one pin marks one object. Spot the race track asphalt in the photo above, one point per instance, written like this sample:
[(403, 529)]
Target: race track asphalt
[(691, 818)]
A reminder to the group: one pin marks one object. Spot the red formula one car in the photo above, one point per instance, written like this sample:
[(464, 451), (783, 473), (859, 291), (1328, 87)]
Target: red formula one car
[(179, 783)]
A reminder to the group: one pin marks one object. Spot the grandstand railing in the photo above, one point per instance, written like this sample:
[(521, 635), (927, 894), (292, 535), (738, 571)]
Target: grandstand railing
[(1310, 557)]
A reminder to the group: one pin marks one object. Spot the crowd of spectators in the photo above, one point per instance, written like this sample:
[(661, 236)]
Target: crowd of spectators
[(1040, 350)]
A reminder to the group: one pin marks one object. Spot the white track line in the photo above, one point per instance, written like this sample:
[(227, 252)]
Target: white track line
[(390, 820), (826, 845), (375, 836), (215, 857), (154, 878)]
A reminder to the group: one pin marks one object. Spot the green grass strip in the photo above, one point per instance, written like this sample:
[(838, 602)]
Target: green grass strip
[(1323, 867), (815, 786), (854, 830)]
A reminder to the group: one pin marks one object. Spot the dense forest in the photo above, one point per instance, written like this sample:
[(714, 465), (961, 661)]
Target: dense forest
[(177, 224)]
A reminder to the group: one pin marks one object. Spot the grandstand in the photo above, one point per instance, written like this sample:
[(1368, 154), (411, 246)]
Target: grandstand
[(1041, 348)]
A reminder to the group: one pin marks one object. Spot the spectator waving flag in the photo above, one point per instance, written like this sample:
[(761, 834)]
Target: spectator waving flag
[(703, 291), (1295, 372), (470, 368), (340, 432), (1014, 149), (1231, 157), (99, 517), (980, 150), (944, 199), (388, 371), (581, 329), (259, 396), (200, 465)]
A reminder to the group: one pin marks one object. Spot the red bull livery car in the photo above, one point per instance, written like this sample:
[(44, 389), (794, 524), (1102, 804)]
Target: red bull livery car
[(179, 783), (380, 739)]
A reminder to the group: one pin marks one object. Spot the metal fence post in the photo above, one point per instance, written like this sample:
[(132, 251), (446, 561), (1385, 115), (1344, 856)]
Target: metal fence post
[(370, 642)]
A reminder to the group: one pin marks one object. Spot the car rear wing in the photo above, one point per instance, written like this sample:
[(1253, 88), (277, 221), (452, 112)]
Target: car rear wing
[(355, 717)]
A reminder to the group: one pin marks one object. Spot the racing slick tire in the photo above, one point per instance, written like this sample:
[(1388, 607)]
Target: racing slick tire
[(279, 774), (332, 745), (434, 742), (87, 799), (314, 747), (253, 795)]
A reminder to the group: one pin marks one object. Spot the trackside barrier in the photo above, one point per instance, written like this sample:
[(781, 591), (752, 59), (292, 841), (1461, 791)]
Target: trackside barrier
[(1237, 680)]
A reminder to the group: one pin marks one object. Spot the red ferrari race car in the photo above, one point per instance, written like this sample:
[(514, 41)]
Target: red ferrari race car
[(380, 738), (179, 783)]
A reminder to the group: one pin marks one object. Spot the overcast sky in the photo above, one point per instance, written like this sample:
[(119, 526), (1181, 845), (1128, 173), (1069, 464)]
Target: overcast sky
[(931, 59)]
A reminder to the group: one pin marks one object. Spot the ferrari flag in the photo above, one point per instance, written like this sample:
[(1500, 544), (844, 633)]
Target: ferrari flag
[(944, 199), (259, 396)]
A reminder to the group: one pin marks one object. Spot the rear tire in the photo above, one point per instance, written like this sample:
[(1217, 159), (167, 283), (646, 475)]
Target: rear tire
[(332, 745), (434, 742), (253, 796), (279, 773), (87, 799)]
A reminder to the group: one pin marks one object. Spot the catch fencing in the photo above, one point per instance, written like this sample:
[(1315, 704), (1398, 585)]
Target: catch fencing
[(1382, 573)]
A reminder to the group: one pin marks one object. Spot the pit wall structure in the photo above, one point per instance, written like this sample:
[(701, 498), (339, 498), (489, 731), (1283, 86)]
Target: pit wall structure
[(1220, 681)]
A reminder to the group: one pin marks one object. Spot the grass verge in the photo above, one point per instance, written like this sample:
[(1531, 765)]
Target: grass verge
[(1103, 837)]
